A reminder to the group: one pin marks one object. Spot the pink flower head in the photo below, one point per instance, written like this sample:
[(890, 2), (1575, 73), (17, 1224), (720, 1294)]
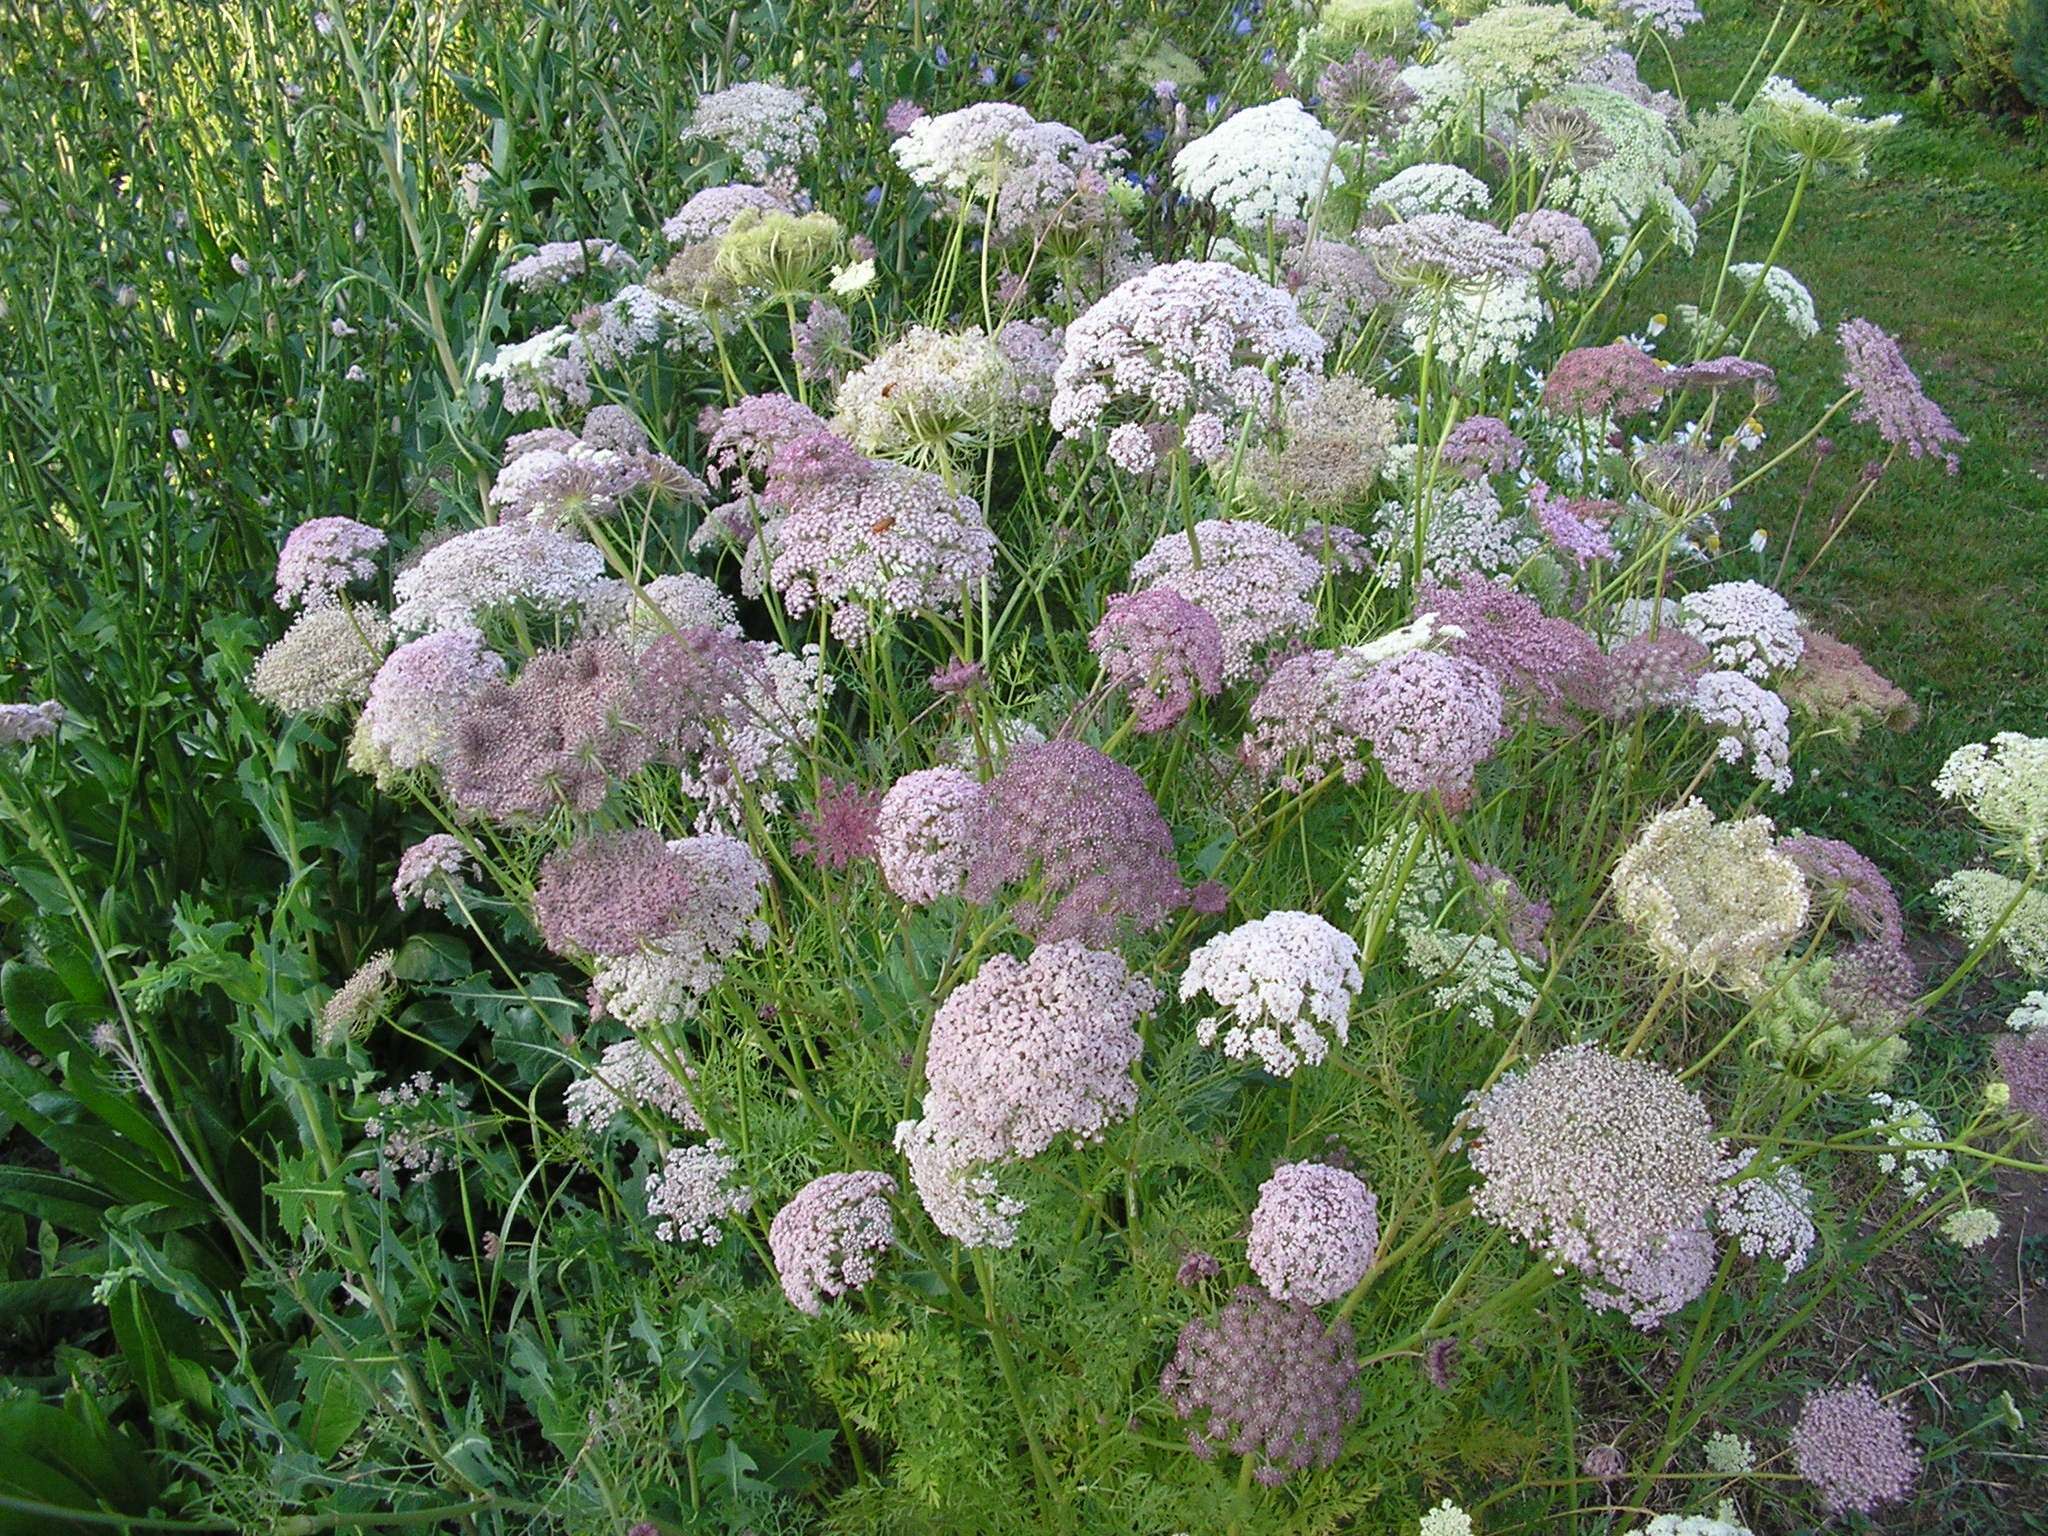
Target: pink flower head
[(1314, 1232), (1854, 1450), (710, 211), (861, 538), (1576, 527), (1571, 250), (430, 870), (925, 831), (1840, 874), (841, 831), (609, 893), (560, 735), (1192, 336), (956, 676), (1524, 917), (1265, 1378), (742, 438), (323, 556), (1892, 397), (1034, 1052), (1431, 719), (1505, 632), (1617, 380), (826, 1240), (2023, 1065), (1483, 445), (1642, 673), (418, 696), (1083, 833), (1161, 650), (1718, 373), (1254, 581)]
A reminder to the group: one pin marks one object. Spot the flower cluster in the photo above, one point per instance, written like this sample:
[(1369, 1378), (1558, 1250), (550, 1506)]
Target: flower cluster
[(1530, 655), (1254, 581), (1524, 47), (609, 893), (1604, 1164), (1912, 1135), (1286, 982), (1769, 1214), (2023, 1067), (959, 150), (458, 582), (931, 388), (1754, 722), (1637, 180), (322, 557), (1431, 719), (1081, 837), (1808, 132), (710, 211), (693, 1192), (431, 871), (553, 478), (1265, 1378), (1745, 626), (1617, 380), (361, 1001), (630, 1076), (1854, 1450), (1478, 977), (1337, 287), (1783, 295), (1333, 449), (556, 263), (559, 735), (419, 693), (1431, 188), (328, 658), (860, 538), (1160, 650), (671, 970), (953, 1170), (417, 1128), (2004, 784), (1572, 254), (21, 724), (1261, 164), (1465, 530), (1983, 904), (1836, 688), (1447, 250), (1188, 339), (1029, 1053), (1314, 1232), (1715, 901), (925, 831), (763, 126), (825, 1241)]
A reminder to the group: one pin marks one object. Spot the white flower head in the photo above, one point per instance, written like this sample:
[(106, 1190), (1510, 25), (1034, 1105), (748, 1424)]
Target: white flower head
[(1262, 163)]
